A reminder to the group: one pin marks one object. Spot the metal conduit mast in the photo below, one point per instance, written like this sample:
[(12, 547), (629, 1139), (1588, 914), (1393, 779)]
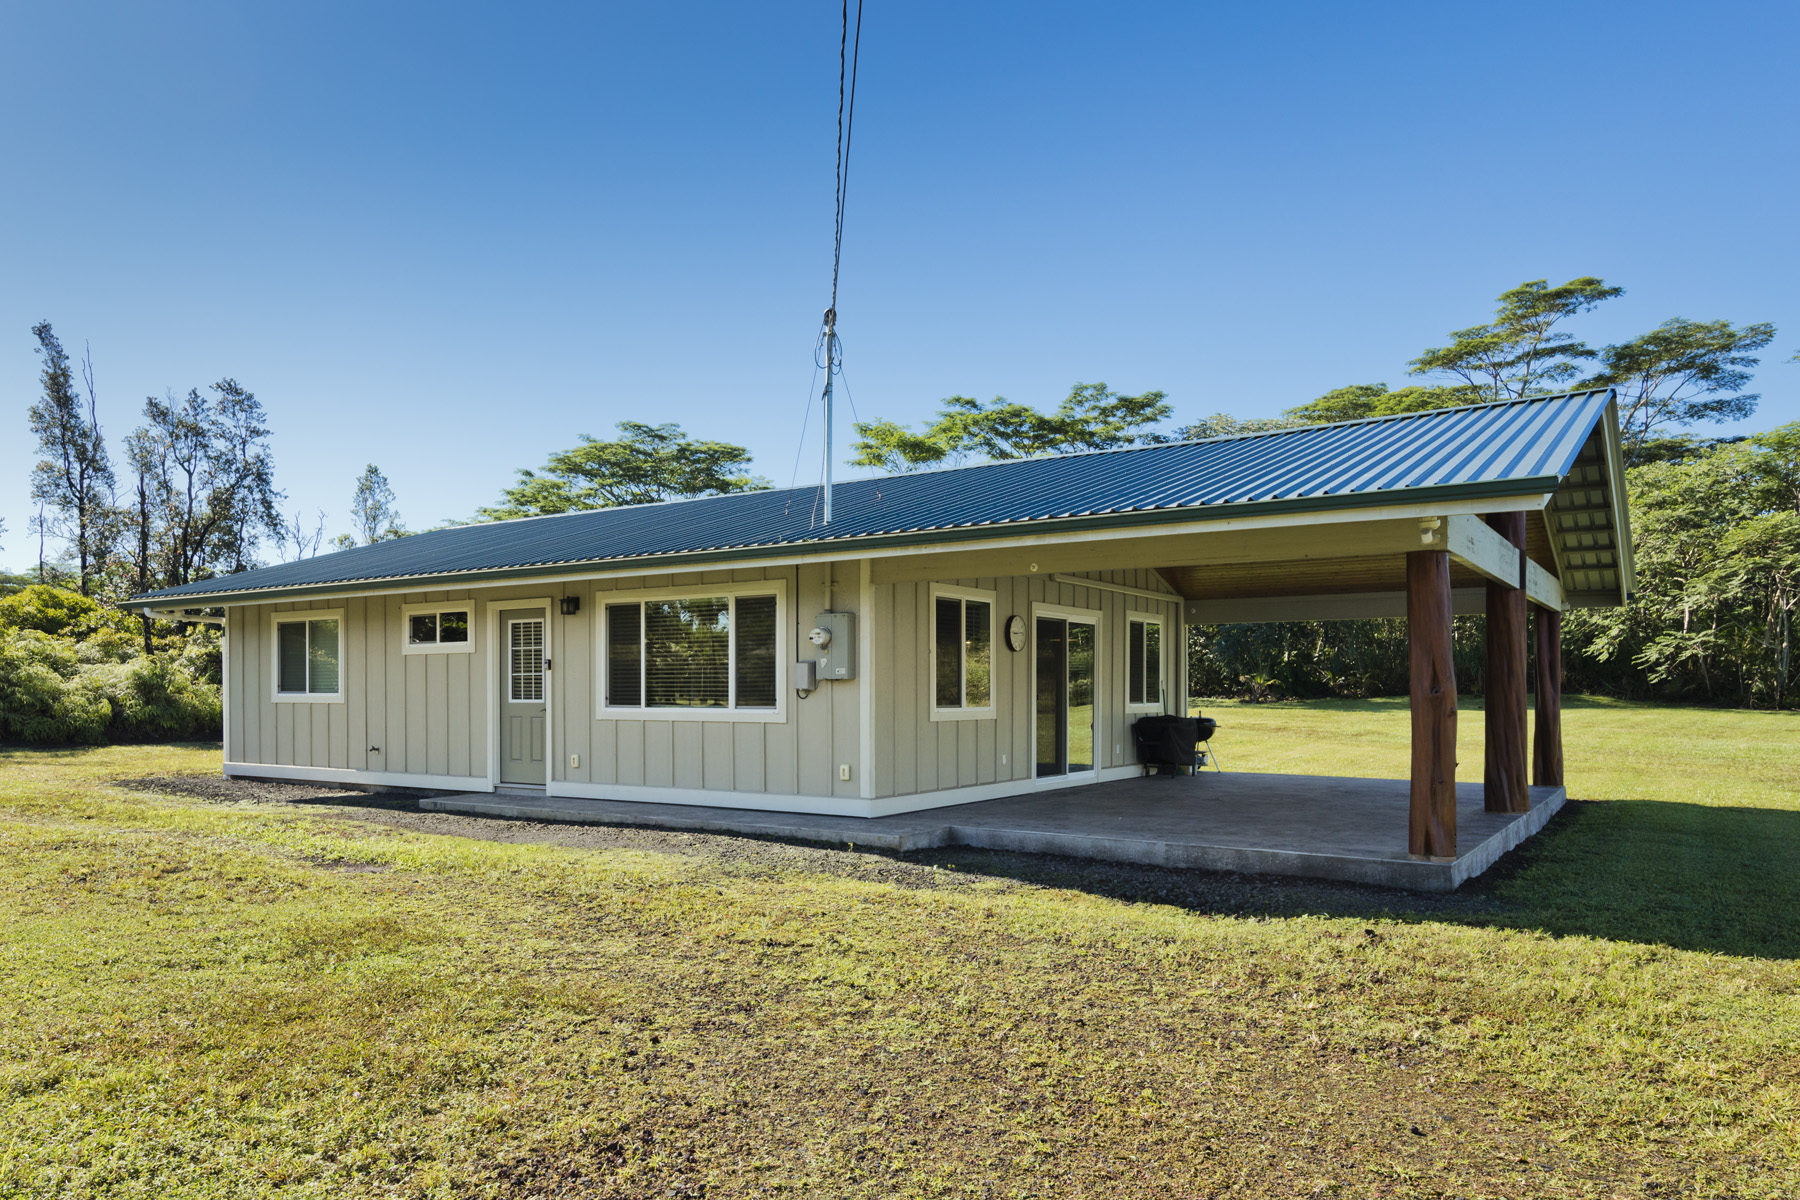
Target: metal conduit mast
[(833, 354)]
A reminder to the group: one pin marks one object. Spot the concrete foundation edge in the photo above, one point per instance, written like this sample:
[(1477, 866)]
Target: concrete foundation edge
[(1408, 873)]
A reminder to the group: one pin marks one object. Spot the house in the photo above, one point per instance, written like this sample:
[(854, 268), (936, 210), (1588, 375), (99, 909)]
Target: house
[(950, 636)]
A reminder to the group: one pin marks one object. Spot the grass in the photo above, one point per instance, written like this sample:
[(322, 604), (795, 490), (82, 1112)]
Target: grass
[(255, 1000), (1686, 830)]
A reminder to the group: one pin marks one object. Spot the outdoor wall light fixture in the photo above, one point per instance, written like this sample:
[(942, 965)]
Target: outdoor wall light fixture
[(571, 605)]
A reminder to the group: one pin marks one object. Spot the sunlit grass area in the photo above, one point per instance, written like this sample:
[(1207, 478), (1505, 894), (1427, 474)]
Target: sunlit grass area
[(1612, 750), (205, 999)]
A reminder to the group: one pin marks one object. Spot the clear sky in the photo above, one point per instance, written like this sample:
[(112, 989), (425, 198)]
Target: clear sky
[(448, 239)]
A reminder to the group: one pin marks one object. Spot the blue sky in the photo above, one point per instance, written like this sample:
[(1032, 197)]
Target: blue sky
[(449, 239)]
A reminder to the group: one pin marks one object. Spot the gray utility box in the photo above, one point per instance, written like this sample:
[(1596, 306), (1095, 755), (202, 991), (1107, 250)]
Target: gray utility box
[(833, 644)]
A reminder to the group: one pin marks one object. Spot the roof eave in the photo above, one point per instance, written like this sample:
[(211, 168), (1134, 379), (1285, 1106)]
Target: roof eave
[(857, 546)]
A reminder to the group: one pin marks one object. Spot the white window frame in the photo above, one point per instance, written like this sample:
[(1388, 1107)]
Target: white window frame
[(1162, 624), (293, 616), (995, 633), (728, 591), (407, 611)]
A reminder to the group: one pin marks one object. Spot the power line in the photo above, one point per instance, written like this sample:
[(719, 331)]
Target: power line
[(846, 127)]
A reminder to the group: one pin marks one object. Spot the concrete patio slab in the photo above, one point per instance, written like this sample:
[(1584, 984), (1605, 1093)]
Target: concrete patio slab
[(1322, 827)]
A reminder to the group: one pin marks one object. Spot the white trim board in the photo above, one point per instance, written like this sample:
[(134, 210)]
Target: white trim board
[(465, 783)]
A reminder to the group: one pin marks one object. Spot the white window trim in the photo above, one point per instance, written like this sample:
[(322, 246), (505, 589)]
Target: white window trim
[(995, 633), (783, 681), (406, 614), (1162, 623), (307, 614)]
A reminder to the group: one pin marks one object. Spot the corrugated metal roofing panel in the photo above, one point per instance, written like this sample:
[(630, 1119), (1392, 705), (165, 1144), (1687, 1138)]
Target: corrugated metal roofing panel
[(1379, 460)]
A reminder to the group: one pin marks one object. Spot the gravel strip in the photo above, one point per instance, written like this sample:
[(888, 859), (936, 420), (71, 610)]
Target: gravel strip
[(951, 866)]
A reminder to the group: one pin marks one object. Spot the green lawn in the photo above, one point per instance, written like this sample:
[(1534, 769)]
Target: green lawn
[(202, 999)]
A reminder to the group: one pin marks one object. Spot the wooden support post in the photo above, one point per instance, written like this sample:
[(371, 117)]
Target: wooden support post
[(1546, 744), (1504, 785), (1431, 829)]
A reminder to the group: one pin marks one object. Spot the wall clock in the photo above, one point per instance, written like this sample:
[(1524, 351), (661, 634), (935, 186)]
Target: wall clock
[(1015, 632)]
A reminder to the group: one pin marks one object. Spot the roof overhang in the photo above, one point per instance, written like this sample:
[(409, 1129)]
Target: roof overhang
[(1083, 536)]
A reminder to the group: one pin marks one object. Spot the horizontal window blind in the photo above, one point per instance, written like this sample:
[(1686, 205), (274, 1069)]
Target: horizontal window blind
[(525, 659), (687, 644), (290, 641), (624, 655), (322, 657), (755, 652)]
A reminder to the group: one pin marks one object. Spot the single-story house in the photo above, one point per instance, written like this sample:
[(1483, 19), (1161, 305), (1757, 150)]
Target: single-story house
[(950, 636)]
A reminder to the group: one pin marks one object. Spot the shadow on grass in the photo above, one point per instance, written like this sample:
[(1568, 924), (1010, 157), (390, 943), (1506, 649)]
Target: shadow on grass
[(1688, 876), (1691, 876)]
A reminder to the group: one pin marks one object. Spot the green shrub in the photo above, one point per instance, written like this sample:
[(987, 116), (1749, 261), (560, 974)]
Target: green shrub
[(153, 699), (53, 690), (37, 700)]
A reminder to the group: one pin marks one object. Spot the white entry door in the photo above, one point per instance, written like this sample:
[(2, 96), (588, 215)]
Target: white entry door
[(524, 702)]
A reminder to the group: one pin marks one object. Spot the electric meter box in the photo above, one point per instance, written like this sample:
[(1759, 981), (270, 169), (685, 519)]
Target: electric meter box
[(833, 639)]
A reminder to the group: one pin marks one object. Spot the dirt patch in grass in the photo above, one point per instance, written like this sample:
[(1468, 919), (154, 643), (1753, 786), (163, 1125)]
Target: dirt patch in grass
[(222, 789)]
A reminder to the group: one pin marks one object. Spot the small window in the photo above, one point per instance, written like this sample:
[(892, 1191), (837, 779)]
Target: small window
[(1143, 663), (692, 653), (963, 652), (434, 628), (307, 657)]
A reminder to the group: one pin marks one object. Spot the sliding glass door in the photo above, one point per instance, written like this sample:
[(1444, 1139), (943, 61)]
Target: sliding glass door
[(1065, 696)]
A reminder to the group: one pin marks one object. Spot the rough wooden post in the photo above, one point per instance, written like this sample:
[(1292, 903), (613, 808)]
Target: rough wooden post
[(1546, 745), (1504, 785), (1431, 829)]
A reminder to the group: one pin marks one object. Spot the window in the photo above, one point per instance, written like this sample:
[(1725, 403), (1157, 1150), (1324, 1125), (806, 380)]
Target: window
[(437, 628), (963, 652), (692, 654), (308, 655), (1143, 663)]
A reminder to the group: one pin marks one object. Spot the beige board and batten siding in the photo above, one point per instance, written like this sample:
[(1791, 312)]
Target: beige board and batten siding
[(423, 719), (403, 719), (702, 760), (916, 756)]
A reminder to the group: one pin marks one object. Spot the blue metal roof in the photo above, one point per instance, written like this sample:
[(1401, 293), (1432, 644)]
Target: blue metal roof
[(1485, 450)]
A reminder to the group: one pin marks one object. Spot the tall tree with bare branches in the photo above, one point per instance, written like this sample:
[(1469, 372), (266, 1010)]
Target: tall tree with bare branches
[(74, 478)]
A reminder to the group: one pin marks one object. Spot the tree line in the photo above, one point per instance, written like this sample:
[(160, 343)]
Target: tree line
[(1716, 521)]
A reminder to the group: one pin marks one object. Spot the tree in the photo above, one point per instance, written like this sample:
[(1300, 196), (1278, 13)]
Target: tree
[(74, 478), (650, 463), (1363, 400), (205, 482), (293, 532), (374, 511), (1681, 373), (1520, 353), (1226, 425), (1091, 417)]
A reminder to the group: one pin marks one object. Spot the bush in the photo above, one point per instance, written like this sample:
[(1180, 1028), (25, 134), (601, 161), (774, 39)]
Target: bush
[(53, 690), (37, 702)]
